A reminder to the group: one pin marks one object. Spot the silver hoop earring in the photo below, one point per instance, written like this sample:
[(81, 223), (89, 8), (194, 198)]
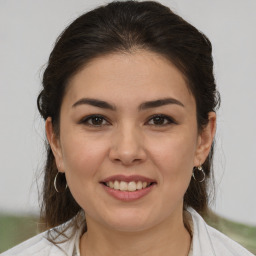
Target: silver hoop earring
[(200, 169), (55, 181)]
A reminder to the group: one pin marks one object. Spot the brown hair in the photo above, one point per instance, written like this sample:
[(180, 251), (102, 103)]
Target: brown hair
[(123, 26)]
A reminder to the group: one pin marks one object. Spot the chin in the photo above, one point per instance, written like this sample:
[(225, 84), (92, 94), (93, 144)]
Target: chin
[(129, 222)]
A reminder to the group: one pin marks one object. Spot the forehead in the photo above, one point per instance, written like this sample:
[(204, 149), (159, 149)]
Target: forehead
[(127, 78)]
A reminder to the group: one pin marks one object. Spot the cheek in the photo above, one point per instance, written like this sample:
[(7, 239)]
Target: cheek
[(175, 155), (82, 160), (82, 155)]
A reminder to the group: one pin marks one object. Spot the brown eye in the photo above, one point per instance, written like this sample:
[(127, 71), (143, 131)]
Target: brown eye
[(161, 120), (94, 120)]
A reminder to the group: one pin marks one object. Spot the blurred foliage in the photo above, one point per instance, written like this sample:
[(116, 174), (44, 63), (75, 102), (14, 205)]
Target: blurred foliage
[(241, 233), (15, 229)]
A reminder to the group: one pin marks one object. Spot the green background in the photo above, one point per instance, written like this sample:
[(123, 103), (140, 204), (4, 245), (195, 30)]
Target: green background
[(15, 229)]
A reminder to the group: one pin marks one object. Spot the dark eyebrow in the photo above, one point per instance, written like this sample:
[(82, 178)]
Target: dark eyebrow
[(143, 106), (159, 103), (94, 102)]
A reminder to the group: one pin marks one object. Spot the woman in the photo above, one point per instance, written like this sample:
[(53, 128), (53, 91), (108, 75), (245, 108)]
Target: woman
[(129, 102)]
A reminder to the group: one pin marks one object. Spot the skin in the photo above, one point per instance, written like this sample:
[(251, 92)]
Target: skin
[(129, 141)]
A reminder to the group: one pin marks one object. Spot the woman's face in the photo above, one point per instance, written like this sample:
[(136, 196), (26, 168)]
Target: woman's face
[(129, 121)]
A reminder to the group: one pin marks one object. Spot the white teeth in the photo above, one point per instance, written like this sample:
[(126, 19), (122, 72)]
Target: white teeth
[(116, 184), (139, 185), (144, 184), (111, 184), (132, 186), (125, 186)]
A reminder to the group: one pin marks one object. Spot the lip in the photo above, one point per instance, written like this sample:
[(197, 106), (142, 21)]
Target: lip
[(135, 178), (128, 195)]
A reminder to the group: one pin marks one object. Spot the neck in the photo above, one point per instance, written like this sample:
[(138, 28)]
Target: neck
[(168, 238)]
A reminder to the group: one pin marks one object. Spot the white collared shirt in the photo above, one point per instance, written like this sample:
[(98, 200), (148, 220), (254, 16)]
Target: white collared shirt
[(206, 241)]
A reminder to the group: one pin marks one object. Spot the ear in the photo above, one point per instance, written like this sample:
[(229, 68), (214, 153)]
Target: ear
[(54, 144), (205, 139)]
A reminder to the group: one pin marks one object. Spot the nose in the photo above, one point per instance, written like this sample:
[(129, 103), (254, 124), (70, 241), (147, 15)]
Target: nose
[(127, 146)]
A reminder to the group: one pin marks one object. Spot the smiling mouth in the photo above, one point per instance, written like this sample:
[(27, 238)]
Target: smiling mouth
[(128, 186)]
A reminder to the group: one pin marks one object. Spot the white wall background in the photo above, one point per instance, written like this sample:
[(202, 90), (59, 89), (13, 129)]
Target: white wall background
[(28, 30)]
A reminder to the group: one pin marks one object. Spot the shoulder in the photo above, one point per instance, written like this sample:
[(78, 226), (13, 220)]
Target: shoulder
[(40, 244), (224, 243), (209, 241), (37, 245)]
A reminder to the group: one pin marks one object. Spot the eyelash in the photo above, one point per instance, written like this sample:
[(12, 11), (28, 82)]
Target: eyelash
[(168, 118), (86, 119)]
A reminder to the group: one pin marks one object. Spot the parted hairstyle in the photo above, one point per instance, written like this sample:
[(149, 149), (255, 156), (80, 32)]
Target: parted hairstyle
[(125, 27)]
